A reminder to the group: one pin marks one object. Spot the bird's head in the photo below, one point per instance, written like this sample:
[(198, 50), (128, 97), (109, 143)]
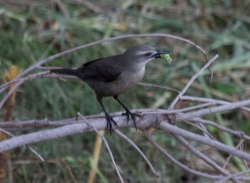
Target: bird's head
[(142, 54)]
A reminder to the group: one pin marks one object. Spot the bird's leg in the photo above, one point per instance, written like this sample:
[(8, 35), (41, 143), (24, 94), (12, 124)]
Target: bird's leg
[(128, 112), (109, 119)]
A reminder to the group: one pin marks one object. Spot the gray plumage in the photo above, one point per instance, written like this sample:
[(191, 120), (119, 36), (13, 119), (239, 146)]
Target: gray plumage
[(116, 74)]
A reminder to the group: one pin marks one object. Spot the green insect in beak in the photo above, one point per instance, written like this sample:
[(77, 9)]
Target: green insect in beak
[(167, 57)]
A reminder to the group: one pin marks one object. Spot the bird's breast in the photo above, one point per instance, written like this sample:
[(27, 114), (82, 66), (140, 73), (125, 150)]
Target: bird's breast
[(126, 81)]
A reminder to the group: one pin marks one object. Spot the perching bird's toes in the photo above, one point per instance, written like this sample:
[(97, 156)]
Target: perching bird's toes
[(129, 113), (110, 120)]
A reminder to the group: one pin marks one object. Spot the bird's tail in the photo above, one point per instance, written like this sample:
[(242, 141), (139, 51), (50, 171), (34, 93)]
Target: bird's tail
[(72, 72), (65, 71)]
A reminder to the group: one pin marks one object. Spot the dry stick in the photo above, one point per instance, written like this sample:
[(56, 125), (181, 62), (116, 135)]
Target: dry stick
[(184, 167), (202, 112), (71, 129), (226, 106), (46, 123), (106, 144), (228, 130), (135, 146), (6, 132), (233, 176), (174, 111), (144, 111), (30, 148), (200, 155), (191, 108), (191, 81), (45, 74), (23, 124), (198, 138), (79, 128), (229, 157), (214, 101), (158, 86), (21, 81), (41, 62), (204, 131), (49, 134), (245, 162), (13, 125)]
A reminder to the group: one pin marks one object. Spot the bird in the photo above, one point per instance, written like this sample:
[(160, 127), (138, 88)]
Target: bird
[(114, 75)]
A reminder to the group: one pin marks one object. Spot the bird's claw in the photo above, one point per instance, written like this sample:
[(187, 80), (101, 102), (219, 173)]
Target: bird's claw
[(129, 113), (110, 120)]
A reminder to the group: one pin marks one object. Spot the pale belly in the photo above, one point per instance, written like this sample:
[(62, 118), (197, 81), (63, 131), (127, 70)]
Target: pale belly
[(124, 82)]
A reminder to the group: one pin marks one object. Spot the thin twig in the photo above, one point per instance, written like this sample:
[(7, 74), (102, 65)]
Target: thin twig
[(229, 157), (204, 131), (191, 81), (106, 144), (210, 100), (241, 148), (21, 81), (202, 156), (233, 176), (135, 146), (184, 167), (175, 111), (188, 135), (202, 112), (158, 86), (228, 130)]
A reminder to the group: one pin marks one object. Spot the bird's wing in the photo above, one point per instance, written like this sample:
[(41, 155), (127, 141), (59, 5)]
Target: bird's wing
[(101, 69)]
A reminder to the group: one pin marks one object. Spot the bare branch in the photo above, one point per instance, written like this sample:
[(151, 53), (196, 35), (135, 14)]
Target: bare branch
[(201, 127), (210, 100), (21, 81), (188, 135), (80, 127), (184, 167), (106, 144), (29, 147), (158, 86), (137, 148), (202, 112), (229, 157), (202, 156), (233, 176), (232, 132), (191, 81)]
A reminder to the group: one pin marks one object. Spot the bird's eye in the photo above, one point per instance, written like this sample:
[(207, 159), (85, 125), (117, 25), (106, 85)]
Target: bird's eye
[(147, 54)]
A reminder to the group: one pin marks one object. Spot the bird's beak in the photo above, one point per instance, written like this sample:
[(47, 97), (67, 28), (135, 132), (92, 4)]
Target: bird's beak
[(160, 53)]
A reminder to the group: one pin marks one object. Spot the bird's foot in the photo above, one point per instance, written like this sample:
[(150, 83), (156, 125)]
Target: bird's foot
[(129, 113), (110, 120)]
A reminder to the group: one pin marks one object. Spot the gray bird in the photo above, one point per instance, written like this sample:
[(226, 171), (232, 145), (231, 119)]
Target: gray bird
[(115, 75)]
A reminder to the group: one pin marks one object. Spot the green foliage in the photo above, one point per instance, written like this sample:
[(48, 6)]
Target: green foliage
[(226, 88)]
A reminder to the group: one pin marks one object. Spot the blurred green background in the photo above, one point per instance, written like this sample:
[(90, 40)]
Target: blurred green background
[(34, 30)]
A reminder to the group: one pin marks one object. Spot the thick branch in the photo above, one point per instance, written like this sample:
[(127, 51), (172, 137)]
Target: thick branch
[(99, 124)]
